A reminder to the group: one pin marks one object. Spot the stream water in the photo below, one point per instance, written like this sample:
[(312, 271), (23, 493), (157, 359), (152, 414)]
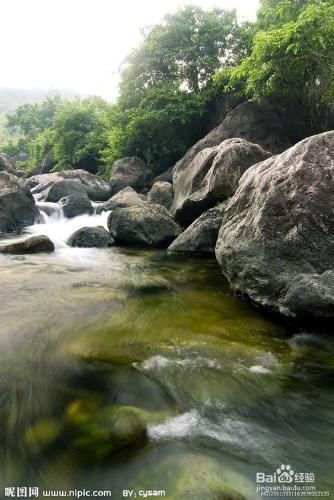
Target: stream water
[(225, 392)]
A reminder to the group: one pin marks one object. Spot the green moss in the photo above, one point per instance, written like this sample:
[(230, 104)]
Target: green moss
[(110, 430), (41, 435)]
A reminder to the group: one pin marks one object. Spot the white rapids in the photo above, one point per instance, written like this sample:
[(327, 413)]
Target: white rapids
[(58, 228)]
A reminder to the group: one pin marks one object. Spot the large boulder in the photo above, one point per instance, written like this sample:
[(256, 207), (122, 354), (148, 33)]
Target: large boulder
[(10, 181), (103, 434), (212, 176), (63, 188), (166, 176), (276, 243), (130, 172), (76, 204), (89, 237), (6, 164), (148, 225), (96, 188), (161, 193), (127, 197), (17, 205), (201, 235), (34, 244), (254, 122)]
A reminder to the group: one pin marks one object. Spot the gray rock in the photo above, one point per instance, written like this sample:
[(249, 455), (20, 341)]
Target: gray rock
[(212, 177), (34, 244), (148, 225), (256, 123), (130, 172), (276, 243), (21, 173), (76, 204), (63, 188), (48, 163), (201, 235), (91, 237), (96, 188), (166, 176), (6, 164), (127, 197), (17, 205), (23, 157), (10, 181), (161, 193)]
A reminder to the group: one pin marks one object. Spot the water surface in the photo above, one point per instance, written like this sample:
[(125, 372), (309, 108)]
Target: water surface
[(224, 390)]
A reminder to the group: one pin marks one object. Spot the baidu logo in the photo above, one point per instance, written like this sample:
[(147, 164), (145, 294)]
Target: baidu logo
[(284, 474)]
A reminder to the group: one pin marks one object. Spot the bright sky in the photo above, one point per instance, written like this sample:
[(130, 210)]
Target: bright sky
[(80, 44)]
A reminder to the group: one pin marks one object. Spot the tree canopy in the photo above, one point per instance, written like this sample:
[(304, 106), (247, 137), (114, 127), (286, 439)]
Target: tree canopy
[(292, 58), (183, 65), (166, 83)]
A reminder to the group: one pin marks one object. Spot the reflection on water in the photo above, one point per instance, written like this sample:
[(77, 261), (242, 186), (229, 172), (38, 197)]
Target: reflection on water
[(133, 369)]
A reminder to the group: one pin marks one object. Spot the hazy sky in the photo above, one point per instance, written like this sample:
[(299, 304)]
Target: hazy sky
[(79, 44)]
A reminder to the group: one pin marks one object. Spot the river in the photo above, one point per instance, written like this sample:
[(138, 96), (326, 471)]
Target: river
[(225, 391)]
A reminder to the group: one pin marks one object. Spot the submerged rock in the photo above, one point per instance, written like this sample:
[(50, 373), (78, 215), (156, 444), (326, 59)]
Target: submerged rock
[(127, 197), (17, 205), (130, 172), (276, 243), (211, 177), (192, 476), (109, 431), (96, 188), (34, 244), (148, 225), (90, 237), (161, 193), (76, 204), (201, 235), (41, 435)]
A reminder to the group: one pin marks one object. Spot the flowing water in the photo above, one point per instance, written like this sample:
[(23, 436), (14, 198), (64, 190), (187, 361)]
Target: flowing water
[(224, 391)]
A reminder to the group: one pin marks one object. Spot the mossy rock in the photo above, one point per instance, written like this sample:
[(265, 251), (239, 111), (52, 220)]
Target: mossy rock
[(80, 411), (41, 435), (110, 430), (190, 476)]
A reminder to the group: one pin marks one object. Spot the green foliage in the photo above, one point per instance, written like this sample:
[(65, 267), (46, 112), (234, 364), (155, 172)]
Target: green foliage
[(40, 145), (169, 82), (12, 147), (31, 119), (186, 47), (160, 129), (166, 84), (292, 58), (80, 132)]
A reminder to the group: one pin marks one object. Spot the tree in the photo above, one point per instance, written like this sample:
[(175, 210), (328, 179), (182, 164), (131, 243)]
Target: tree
[(79, 133), (186, 47), (292, 58), (159, 129), (31, 119), (166, 84)]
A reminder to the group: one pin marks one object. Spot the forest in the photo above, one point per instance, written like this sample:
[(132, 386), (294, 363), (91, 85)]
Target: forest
[(171, 83)]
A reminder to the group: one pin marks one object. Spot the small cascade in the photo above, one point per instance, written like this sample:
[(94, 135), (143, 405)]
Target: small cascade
[(49, 212), (52, 222)]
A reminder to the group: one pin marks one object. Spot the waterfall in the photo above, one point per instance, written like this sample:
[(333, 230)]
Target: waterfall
[(52, 222), (49, 211)]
